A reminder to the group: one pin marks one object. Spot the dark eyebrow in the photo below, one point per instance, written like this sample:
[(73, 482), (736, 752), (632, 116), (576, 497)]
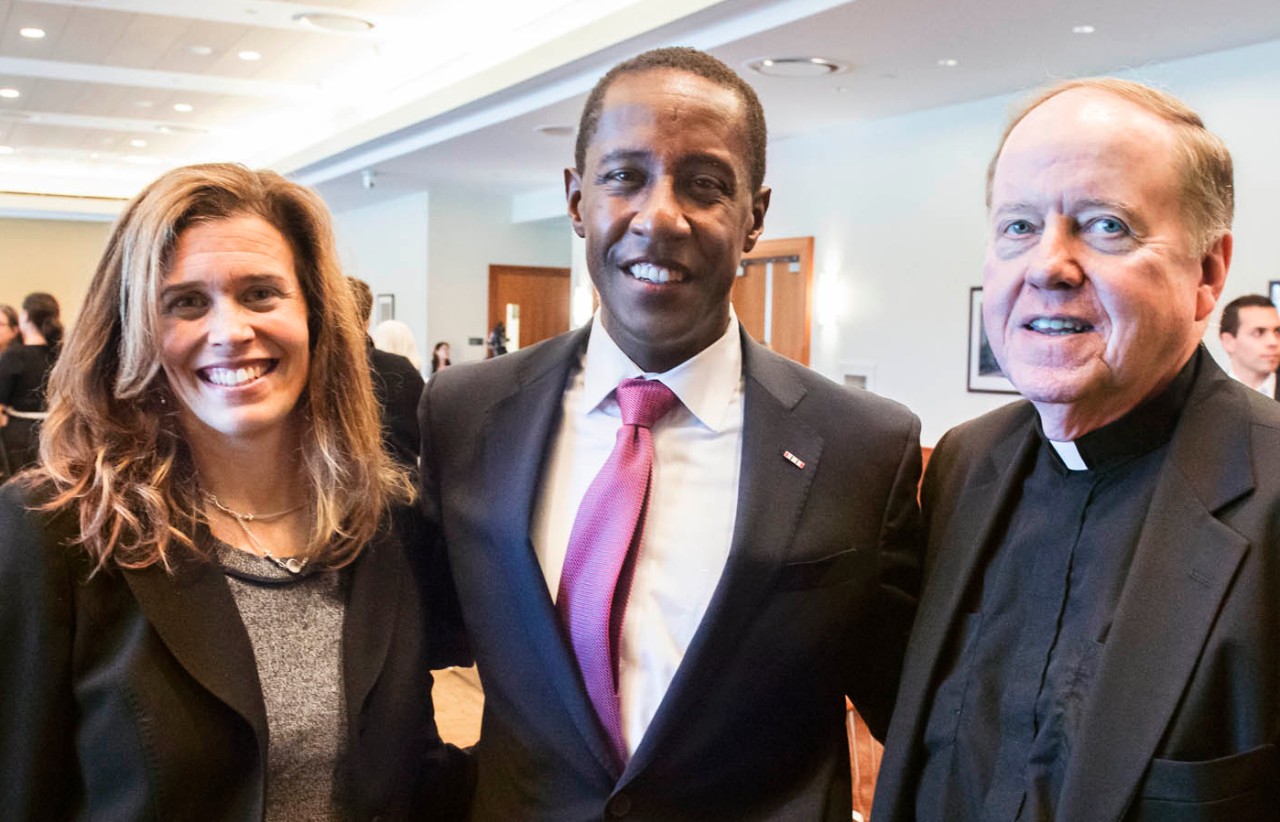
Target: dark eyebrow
[(712, 160), (177, 287), (619, 155), (241, 282)]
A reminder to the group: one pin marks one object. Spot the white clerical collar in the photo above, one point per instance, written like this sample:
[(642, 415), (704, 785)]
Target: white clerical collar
[(1070, 455), (705, 383)]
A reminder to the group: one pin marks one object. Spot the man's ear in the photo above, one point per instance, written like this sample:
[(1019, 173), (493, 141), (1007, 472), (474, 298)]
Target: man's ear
[(1213, 275), (759, 205), (573, 197), (1228, 342)]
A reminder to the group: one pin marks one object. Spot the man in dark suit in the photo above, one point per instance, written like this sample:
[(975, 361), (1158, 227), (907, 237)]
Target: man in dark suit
[(397, 385), (1097, 635), (1250, 334), (772, 567)]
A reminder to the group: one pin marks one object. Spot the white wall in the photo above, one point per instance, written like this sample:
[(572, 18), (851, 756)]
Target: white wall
[(386, 245), (896, 209), (470, 232)]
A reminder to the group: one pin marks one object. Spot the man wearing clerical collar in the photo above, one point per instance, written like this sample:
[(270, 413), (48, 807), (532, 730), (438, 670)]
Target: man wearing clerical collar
[(1097, 634), (1250, 334)]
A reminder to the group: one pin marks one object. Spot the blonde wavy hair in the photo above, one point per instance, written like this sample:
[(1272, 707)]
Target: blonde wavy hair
[(113, 449)]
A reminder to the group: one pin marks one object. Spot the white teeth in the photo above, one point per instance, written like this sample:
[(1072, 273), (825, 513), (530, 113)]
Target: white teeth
[(232, 377), (656, 274), (1058, 325)]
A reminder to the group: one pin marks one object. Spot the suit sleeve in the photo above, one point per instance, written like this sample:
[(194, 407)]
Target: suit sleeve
[(449, 642), (874, 682), (934, 504), (37, 710)]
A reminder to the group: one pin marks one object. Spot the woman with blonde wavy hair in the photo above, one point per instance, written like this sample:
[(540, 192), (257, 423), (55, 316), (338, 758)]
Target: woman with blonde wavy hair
[(206, 593)]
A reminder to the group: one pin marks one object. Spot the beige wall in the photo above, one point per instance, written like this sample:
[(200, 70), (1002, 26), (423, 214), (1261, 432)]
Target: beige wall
[(49, 255)]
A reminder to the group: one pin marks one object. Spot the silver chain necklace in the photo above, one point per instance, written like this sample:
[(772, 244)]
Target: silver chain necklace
[(292, 564)]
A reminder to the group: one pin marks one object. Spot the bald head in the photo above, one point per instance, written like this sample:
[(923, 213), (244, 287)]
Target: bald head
[(1204, 164)]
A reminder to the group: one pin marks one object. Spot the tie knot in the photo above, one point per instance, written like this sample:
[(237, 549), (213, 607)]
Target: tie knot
[(644, 402)]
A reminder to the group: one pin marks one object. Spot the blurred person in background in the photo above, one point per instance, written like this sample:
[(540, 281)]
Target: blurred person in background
[(396, 337), (440, 356), (207, 606), (9, 332), (24, 371), (397, 384), (9, 336), (1250, 334)]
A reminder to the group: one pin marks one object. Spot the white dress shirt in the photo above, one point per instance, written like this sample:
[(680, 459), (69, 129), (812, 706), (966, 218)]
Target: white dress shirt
[(1267, 388), (692, 505)]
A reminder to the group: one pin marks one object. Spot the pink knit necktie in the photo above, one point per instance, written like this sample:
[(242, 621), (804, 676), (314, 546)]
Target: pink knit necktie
[(596, 580)]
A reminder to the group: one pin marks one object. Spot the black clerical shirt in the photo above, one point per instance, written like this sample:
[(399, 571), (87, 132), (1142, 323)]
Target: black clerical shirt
[(1020, 664)]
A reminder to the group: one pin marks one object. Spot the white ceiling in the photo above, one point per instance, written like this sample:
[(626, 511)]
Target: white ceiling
[(447, 93)]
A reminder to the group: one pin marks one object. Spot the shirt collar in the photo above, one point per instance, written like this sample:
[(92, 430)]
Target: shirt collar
[(705, 383), (1143, 429), (1267, 387)]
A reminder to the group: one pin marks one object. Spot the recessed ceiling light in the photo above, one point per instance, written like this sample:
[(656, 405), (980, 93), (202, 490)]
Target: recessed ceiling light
[(948, 62), (183, 107), (32, 33), (796, 66), (138, 142), (164, 129), (330, 21), (198, 51), (6, 149), (1083, 29), (250, 55), (10, 93), (556, 131)]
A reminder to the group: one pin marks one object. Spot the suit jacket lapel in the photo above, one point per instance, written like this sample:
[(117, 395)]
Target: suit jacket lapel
[(771, 496), (961, 549), (519, 431), (1182, 567), (197, 619)]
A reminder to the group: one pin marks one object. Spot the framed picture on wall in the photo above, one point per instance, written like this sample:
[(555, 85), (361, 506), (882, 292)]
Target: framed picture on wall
[(985, 375), (384, 308)]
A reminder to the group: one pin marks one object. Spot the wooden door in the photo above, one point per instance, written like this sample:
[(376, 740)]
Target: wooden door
[(773, 295), (536, 298)]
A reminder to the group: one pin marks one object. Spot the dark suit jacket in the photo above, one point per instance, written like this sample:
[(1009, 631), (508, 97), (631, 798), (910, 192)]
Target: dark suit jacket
[(134, 695), (397, 385), (1184, 716), (815, 601)]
